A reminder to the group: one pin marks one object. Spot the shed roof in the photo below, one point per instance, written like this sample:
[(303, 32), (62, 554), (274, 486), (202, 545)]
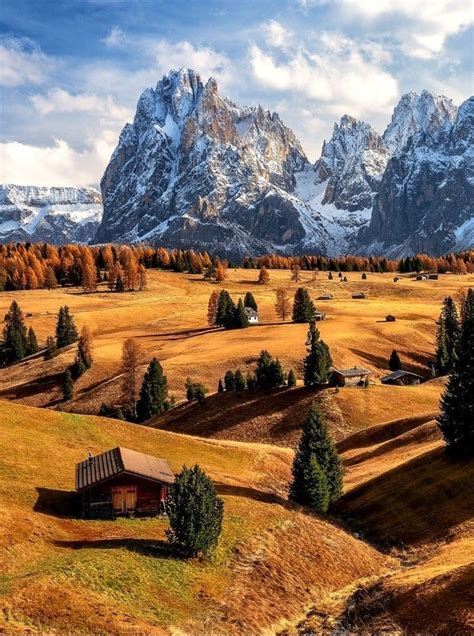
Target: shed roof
[(116, 461), (354, 371), (399, 374), (251, 313)]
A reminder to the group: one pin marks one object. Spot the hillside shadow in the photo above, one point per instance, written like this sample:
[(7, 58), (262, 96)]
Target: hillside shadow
[(57, 503), (146, 547), (419, 500), (251, 493), (33, 387)]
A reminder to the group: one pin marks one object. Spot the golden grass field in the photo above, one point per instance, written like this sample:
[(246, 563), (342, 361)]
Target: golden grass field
[(398, 550), (169, 321)]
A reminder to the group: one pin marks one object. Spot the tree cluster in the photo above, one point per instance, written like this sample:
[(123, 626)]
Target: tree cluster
[(18, 340), (195, 391), (447, 335), (223, 312), (318, 361)]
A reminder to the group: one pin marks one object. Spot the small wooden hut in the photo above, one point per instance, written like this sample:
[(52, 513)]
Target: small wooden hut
[(122, 482), (359, 295), (402, 377), (355, 376)]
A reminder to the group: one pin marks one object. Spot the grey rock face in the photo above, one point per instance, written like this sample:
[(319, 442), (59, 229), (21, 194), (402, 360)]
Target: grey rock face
[(57, 215)]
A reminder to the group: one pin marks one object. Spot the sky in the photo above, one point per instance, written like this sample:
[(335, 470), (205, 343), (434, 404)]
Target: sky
[(71, 71)]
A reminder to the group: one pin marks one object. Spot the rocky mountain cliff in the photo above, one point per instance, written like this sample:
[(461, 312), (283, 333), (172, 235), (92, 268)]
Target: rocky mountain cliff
[(196, 170), (56, 215)]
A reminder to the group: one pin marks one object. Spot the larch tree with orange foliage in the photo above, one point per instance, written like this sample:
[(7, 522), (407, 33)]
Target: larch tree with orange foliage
[(141, 277), (264, 276), (220, 273), (212, 308), (283, 304), (132, 355)]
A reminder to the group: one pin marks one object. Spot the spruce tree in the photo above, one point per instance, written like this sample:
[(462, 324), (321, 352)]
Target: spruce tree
[(239, 381), (229, 381), (315, 443), (291, 381), (394, 363), (316, 486), (241, 320), (318, 358), (249, 301), (250, 381), (50, 351), (195, 512), (225, 314), (456, 420), (450, 318), (154, 392), (32, 341), (15, 334), (220, 386), (303, 307), (66, 332), (442, 355), (67, 386)]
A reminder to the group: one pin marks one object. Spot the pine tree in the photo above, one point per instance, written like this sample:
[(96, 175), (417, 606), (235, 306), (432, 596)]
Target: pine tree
[(239, 381), (315, 444), (318, 358), (456, 420), (66, 332), (303, 307), (268, 372), (316, 486), (450, 318), (442, 355), (195, 512), (212, 308), (50, 351), (225, 314), (229, 381), (394, 363), (153, 393), (241, 320), (32, 341), (15, 334), (220, 386), (195, 391), (249, 301), (291, 381), (250, 381), (67, 386)]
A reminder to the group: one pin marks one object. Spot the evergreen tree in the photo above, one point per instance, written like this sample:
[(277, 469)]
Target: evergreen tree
[(291, 381), (249, 301), (394, 363), (268, 372), (195, 391), (241, 320), (67, 386), (250, 381), (315, 446), (303, 307), (66, 332), (442, 355), (447, 336), (32, 341), (15, 335), (316, 486), (225, 313), (239, 381), (195, 512), (50, 351), (119, 284), (330, 276), (220, 387), (456, 420), (154, 392), (318, 358), (229, 381)]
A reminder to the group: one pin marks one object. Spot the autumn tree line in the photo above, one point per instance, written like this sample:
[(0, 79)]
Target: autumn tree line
[(123, 267)]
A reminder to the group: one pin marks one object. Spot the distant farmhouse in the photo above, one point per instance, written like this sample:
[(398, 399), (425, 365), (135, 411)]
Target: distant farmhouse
[(355, 376), (122, 482), (401, 377), (252, 315)]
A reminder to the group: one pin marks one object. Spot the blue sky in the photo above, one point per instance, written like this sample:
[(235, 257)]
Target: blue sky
[(71, 71)]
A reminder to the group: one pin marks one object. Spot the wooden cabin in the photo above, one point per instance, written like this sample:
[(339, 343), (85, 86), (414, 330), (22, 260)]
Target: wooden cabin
[(325, 297), (359, 295), (402, 378), (122, 482), (390, 318), (433, 276), (318, 315), (355, 376)]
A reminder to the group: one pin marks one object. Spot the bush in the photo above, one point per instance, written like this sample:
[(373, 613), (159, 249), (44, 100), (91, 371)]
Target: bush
[(195, 391), (195, 512), (291, 378)]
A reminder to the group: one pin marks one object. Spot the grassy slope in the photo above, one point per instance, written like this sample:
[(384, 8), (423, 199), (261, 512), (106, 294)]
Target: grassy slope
[(170, 322), (58, 573)]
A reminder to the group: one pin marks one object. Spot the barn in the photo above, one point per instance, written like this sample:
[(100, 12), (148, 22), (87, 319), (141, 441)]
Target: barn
[(122, 482), (401, 377), (349, 377)]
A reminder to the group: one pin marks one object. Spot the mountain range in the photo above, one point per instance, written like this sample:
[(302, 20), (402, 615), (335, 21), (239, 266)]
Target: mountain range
[(196, 170)]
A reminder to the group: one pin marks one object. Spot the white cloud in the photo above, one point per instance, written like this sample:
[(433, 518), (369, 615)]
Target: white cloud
[(340, 72), (115, 38), (57, 100), (205, 60), (276, 34), (55, 165), (23, 62)]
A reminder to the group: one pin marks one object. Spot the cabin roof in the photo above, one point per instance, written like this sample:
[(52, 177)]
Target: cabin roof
[(116, 461), (399, 374), (251, 313), (359, 295), (354, 371)]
